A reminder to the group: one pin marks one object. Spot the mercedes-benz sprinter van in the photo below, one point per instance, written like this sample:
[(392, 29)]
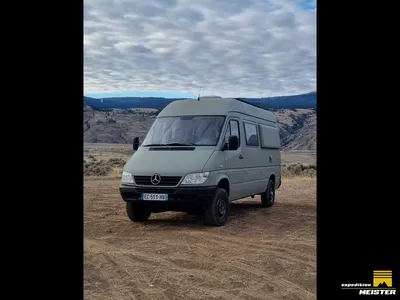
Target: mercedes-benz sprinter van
[(201, 154)]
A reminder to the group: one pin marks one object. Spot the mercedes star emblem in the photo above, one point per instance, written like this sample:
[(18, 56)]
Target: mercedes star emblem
[(155, 179)]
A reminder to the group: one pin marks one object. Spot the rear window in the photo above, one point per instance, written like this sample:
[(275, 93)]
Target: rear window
[(250, 131)]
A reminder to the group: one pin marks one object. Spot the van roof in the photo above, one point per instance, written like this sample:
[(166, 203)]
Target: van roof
[(215, 106)]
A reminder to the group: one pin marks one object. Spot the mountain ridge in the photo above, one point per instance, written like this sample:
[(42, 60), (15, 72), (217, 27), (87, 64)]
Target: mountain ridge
[(306, 101)]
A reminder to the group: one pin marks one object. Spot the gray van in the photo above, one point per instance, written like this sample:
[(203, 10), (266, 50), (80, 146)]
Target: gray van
[(201, 154)]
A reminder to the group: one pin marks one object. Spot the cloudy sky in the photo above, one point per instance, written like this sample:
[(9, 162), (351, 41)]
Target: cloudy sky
[(172, 48)]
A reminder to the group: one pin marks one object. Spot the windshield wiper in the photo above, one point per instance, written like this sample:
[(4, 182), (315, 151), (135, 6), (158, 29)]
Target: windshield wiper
[(151, 145), (170, 144), (180, 144)]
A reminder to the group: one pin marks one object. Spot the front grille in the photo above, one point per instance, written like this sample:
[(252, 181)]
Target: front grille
[(165, 180), (152, 190)]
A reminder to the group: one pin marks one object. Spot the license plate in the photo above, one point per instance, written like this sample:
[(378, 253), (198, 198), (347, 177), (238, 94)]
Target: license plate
[(155, 197)]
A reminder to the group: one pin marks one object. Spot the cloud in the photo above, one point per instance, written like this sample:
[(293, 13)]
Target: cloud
[(247, 48)]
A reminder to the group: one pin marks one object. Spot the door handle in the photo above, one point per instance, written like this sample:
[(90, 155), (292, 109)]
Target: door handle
[(241, 156)]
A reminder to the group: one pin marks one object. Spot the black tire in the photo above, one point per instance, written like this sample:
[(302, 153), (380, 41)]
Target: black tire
[(268, 197), (217, 212), (137, 213)]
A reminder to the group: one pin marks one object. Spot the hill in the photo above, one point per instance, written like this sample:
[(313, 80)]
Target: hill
[(307, 101), (119, 126), (298, 129)]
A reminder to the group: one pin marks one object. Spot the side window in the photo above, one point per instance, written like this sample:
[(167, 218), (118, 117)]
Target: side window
[(235, 129), (232, 129), (250, 131)]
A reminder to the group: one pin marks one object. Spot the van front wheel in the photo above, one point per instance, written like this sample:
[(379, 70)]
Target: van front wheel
[(137, 213), (217, 212), (268, 197)]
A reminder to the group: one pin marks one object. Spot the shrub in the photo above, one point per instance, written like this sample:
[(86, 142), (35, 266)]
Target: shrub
[(298, 170), (102, 167), (96, 168), (117, 162)]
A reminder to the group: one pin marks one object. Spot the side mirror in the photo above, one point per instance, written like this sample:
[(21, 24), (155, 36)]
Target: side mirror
[(135, 143), (233, 142)]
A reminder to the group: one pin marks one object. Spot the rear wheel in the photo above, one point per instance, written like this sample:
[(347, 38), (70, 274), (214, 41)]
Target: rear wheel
[(217, 212), (268, 197), (137, 213)]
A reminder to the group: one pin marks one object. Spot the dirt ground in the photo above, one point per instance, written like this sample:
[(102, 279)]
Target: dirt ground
[(261, 253)]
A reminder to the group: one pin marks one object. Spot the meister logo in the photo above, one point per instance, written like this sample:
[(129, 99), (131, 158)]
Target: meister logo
[(381, 284), (383, 279)]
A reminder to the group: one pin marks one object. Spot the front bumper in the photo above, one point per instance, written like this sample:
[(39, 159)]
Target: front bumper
[(179, 198)]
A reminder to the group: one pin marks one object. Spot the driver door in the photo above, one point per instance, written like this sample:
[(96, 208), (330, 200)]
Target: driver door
[(234, 160)]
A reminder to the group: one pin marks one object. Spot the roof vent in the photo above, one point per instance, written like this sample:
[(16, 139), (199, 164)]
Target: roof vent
[(209, 97)]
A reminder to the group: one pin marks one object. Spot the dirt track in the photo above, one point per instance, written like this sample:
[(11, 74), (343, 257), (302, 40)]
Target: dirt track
[(261, 253)]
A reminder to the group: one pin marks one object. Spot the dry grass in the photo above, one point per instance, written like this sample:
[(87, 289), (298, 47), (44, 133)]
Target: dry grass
[(299, 170), (95, 167), (105, 160), (113, 167)]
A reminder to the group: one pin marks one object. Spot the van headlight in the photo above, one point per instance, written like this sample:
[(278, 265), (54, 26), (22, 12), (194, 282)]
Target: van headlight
[(127, 177), (196, 178)]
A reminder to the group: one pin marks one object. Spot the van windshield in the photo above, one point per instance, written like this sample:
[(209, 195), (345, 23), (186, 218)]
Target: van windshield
[(185, 131)]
